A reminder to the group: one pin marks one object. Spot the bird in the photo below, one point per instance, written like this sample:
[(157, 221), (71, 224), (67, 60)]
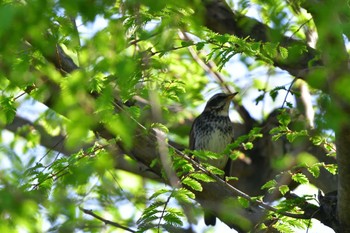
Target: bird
[(212, 131)]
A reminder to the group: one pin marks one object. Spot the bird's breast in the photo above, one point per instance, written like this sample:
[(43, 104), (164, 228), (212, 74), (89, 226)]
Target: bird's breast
[(215, 141), (215, 137)]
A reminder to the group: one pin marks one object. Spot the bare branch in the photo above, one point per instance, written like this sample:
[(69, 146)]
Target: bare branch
[(107, 222)]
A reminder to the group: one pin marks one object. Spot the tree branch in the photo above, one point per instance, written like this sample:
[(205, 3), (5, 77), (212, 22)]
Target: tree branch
[(220, 18), (107, 222)]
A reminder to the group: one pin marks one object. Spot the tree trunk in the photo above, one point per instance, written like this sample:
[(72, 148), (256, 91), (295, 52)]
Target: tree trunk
[(343, 158)]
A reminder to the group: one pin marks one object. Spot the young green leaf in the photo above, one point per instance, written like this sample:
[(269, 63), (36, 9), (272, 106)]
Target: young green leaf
[(244, 202), (300, 178), (195, 185), (283, 189), (202, 177)]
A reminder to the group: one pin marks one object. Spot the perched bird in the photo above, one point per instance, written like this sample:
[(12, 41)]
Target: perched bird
[(212, 131)]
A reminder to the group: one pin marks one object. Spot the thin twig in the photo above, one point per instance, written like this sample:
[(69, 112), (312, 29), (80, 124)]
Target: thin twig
[(107, 222), (238, 192), (52, 148), (209, 67), (302, 25), (20, 95), (288, 91), (164, 209)]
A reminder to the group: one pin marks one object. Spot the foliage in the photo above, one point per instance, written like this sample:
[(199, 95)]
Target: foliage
[(80, 85)]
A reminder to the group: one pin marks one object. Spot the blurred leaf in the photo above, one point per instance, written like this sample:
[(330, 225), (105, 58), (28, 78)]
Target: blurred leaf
[(7, 109), (244, 202)]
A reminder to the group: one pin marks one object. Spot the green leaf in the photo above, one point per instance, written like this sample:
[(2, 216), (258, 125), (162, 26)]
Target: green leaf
[(214, 170), (154, 162), (173, 219), (314, 170), (228, 178), (332, 168), (300, 178), (195, 185), (158, 193), (182, 166), (160, 126), (7, 109), (284, 118), (186, 43), (200, 46), (205, 155), (235, 154), (292, 135), (283, 189), (283, 52), (184, 195), (248, 146), (270, 49), (202, 177), (269, 184), (244, 202)]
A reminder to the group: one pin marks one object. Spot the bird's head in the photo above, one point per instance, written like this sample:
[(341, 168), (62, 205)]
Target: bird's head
[(219, 103)]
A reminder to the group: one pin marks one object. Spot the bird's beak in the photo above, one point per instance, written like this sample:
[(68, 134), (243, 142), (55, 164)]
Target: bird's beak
[(230, 96)]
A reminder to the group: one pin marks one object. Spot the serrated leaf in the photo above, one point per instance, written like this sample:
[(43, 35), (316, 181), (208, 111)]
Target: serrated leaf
[(283, 189), (195, 185), (160, 126), (173, 219), (205, 155), (202, 177), (248, 145), (317, 140), (270, 49), (283, 52), (269, 184), (158, 193), (214, 170), (184, 195), (291, 136), (332, 168), (284, 118), (150, 213), (300, 178), (314, 170)]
